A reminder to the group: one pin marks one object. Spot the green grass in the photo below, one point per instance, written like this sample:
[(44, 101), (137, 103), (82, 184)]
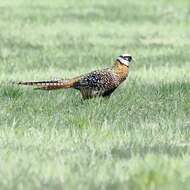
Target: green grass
[(139, 139)]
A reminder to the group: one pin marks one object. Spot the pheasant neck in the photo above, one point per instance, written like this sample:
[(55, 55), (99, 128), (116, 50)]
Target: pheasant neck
[(120, 70)]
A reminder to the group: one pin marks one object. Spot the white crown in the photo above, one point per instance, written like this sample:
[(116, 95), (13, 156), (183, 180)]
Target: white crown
[(122, 60)]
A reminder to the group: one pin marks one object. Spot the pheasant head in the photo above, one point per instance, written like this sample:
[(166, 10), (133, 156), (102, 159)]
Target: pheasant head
[(121, 66)]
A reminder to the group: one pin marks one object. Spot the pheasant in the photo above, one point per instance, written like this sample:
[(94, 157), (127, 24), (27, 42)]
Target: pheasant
[(94, 84)]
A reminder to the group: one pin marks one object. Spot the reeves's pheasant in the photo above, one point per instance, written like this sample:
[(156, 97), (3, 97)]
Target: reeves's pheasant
[(93, 84)]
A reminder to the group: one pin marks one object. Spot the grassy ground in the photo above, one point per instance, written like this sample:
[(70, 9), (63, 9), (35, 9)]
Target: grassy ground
[(138, 139)]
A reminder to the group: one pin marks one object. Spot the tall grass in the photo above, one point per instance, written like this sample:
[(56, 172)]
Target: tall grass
[(137, 139)]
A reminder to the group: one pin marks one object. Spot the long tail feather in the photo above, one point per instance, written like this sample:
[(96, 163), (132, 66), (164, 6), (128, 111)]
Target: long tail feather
[(49, 85)]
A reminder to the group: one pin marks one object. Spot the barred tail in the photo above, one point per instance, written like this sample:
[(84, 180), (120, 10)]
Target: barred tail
[(51, 85)]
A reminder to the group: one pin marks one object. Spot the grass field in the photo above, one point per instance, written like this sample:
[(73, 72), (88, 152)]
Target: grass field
[(139, 139)]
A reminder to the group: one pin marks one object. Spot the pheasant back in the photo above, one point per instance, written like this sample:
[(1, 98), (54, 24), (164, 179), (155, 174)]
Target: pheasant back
[(97, 83)]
